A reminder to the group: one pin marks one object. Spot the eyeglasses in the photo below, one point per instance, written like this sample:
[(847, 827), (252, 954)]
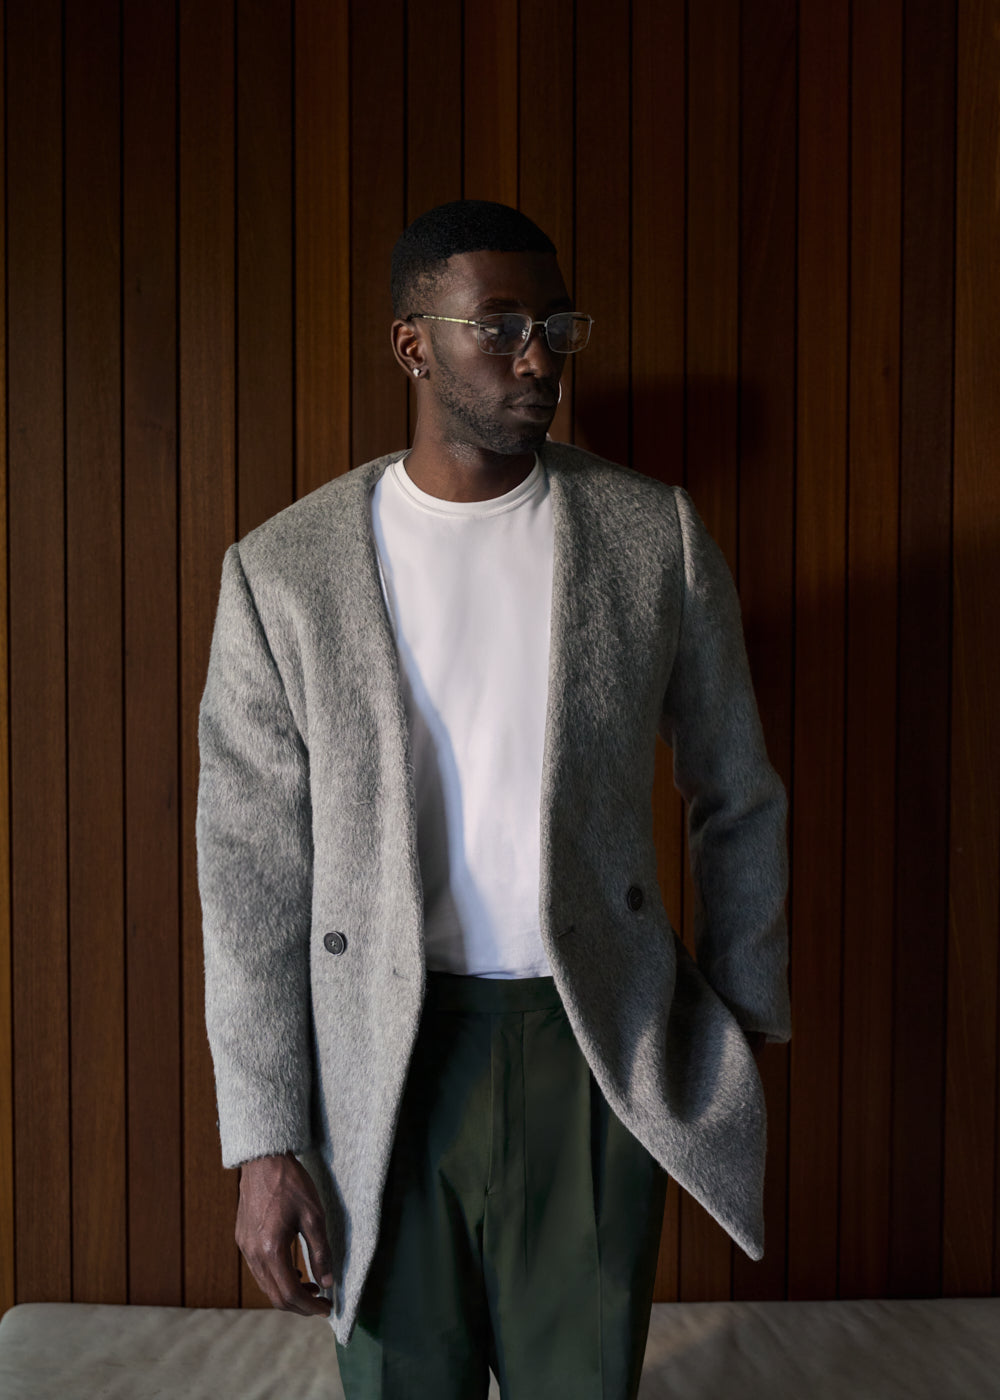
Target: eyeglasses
[(566, 332)]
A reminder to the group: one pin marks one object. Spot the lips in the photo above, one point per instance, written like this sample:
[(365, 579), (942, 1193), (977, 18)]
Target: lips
[(536, 405)]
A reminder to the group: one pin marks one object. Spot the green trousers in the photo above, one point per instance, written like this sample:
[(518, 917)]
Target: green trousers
[(521, 1219)]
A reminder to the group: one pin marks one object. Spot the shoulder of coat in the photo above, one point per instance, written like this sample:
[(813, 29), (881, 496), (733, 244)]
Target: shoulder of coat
[(334, 518), (614, 495)]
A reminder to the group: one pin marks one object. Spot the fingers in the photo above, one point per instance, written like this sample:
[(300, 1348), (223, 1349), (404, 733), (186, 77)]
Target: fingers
[(307, 1283), (270, 1262), (284, 1286), (287, 1290), (278, 1201)]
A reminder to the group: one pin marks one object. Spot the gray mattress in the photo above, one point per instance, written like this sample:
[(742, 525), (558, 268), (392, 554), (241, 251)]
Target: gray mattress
[(947, 1349)]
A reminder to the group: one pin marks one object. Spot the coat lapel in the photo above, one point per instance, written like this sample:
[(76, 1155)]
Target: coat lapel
[(361, 652), (573, 673), (356, 574)]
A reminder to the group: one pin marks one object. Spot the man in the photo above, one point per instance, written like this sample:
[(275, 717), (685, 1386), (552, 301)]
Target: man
[(457, 1044)]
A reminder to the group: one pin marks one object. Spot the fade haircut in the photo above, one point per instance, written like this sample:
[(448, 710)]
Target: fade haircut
[(464, 226)]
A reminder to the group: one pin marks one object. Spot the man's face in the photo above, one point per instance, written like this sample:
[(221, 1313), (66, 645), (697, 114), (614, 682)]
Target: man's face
[(500, 403)]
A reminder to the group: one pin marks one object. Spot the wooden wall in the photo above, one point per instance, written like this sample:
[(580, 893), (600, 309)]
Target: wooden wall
[(785, 219)]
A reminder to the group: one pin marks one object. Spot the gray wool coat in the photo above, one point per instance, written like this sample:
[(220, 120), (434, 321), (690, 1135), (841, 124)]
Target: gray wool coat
[(306, 828)]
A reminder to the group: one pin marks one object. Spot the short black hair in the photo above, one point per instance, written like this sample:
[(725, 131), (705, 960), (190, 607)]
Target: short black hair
[(463, 226)]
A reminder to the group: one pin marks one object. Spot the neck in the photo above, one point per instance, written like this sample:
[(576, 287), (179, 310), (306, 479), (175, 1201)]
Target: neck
[(457, 472)]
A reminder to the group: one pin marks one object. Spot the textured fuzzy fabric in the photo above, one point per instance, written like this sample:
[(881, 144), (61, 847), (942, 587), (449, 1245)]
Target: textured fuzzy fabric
[(306, 826)]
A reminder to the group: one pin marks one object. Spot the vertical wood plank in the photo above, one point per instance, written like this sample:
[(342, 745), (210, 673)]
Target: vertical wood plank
[(36, 506), (713, 267), (923, 724), (150, 569), (264, 215), (434, 117), (94, 650), (873, 509), (712, 424), (658, 228), (659, 163), (970, 1177), (6, 1005), (207, 503), (322, 243), (378, 216), (821, 502), (598, 149), (490, 111), (545, 153), (602, 258), (767, 485)]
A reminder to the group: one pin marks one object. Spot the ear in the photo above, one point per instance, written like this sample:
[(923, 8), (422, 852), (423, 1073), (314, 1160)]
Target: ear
[(409, 347)]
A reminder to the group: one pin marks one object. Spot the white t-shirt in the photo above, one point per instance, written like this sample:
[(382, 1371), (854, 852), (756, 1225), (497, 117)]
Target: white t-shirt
[(468, 586)]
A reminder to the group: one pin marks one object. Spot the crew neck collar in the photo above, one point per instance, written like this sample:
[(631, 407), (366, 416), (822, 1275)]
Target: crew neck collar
[(496, 505)]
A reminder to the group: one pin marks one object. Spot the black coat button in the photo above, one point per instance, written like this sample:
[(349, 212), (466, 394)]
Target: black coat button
[(634, 898), (334, 942)]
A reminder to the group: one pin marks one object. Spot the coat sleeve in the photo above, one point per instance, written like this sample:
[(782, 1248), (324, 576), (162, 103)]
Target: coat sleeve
[(736, 802), (255, 877)]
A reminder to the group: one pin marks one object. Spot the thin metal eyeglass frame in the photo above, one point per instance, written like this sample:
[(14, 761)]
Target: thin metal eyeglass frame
[(528, 325)]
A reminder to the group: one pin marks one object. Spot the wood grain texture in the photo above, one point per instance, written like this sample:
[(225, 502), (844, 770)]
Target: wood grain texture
[(378, 216), (923, 719), (602, 268), (149, 319), (207, 505), (821, 511), (434, 126), (766, 541), (757, 201), (970, 1175), (490, 108), (7, 1231), (36, 504), (712, 332), (873, 567), (322, 244), (264, 260), (95, 778), (658, 233), (545, 148)]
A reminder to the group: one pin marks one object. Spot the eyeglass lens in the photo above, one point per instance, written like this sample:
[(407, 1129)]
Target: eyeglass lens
[(506, 333)]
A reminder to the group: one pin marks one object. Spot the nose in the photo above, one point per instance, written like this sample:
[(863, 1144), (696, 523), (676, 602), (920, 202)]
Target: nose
[(536, 359)]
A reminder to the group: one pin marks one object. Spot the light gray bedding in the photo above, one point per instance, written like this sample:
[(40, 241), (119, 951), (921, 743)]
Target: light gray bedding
[(946, 1349)]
